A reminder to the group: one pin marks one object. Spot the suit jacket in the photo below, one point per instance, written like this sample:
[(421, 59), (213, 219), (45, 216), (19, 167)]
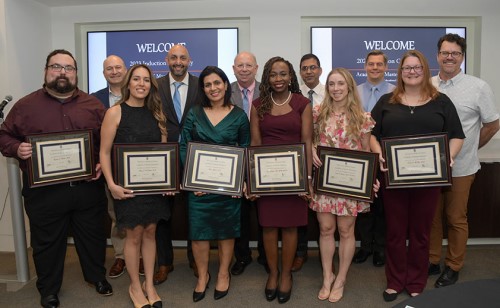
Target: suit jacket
[(193, 97), (236, 98), (103, 96)]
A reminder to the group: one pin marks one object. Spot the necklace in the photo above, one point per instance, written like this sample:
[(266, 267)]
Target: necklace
[(286, 100), (412, 108)]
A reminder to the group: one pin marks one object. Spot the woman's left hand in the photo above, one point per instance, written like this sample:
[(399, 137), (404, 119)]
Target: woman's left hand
[(199, 193)]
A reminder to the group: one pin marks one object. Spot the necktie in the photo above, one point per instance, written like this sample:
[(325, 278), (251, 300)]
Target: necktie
[(372, 100), (245, 101), (311, 92), (177, 101)]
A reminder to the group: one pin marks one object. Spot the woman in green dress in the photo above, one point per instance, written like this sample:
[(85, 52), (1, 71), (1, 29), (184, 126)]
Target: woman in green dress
[(211, 216)]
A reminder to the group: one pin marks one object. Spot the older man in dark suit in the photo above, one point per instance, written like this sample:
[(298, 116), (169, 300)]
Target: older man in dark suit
[(244, 91), (179, 91)]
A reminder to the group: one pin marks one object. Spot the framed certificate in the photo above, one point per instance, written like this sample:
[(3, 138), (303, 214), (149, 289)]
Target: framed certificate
[(213, 168), (149, 168), (61, 157), (277, 170), (346, 173), (417, 161)]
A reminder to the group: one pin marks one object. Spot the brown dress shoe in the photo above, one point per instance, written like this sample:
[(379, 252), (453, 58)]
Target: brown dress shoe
[(141, 267), (117, 269), (298, 262), (195, 268), (162, 274)]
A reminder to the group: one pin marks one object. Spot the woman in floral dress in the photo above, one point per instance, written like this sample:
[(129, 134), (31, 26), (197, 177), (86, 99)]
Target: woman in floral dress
[(339, 122)]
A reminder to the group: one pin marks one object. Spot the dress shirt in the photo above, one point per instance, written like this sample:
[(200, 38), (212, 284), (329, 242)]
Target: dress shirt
[(113, 99), (365, 90), (39, 112), (318, 95), (183, 90), (251, 91)]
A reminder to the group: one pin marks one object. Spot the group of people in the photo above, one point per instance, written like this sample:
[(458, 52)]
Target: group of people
[(180, 107)]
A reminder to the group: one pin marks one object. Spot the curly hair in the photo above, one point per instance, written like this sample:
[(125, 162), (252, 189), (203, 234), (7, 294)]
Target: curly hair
[(355, 112), (265, 86), (427, 89), (152, 100)]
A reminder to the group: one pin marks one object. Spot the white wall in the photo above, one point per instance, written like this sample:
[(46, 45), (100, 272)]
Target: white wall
[(275, 29)]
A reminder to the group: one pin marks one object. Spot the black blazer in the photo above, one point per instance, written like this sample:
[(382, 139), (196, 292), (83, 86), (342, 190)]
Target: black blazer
[(103, 96), (193, 97)]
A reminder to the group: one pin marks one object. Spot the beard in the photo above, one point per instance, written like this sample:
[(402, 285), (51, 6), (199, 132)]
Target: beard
[(61, 85)]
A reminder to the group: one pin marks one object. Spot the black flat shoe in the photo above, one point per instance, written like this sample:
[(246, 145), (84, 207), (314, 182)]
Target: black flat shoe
[(157, 304), (239, 267), (220, 294), (390, 297), (361, 256), (284, 297), (50, 301), (198, 296), (271, 294)]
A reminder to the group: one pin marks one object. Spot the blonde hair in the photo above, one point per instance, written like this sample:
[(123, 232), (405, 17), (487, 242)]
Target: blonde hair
[(355, 113)]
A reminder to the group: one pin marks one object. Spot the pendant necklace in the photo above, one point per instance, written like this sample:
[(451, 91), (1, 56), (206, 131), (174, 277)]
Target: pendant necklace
[(409, 106), (286, 100)]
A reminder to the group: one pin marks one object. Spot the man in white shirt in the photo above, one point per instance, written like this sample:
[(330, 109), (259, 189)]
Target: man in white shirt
[(476, 108), (310, 71)]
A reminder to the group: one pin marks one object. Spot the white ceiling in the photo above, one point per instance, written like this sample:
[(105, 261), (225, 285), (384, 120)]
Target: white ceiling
[(55, 3)]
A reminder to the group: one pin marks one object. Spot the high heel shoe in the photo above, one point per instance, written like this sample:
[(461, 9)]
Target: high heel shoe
[(132, 298), (271, 293), (198, 296), (284, 297), (220, 294), (157, 303)]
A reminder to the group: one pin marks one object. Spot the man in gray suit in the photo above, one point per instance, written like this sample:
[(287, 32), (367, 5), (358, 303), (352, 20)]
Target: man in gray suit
[(179, 91), (244, 91)]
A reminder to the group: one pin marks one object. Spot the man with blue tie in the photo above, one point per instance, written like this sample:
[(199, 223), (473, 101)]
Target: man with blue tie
[(179, 91), (371, 225), (244, 90)]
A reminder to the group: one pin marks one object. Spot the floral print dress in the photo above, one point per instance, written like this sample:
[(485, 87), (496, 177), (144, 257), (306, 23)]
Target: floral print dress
[(335, 136)]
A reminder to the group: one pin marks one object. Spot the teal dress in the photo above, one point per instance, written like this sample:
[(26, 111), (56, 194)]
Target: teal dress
[(213, 216)]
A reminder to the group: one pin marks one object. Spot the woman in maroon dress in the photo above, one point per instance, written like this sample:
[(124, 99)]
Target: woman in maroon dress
[(281, 115)]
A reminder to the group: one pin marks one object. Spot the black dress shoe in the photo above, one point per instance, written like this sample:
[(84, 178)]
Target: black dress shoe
[(50, 301), (220, 294), (103, 287), (271, 294), (239, 267), (284, 297), (378, 259), (434, 269), (157, 304), (447, 278), (390, 297), (198, 296), (361, 256)]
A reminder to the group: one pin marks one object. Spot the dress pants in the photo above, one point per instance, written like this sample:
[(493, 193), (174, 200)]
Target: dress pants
[(409, 213), (371, 226), (242, 250), (51, 211), (164, 248), (117, 236), (453, 204)]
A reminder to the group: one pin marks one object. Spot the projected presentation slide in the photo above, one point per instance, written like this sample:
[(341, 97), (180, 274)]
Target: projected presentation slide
[(206, 47), (347, 46)]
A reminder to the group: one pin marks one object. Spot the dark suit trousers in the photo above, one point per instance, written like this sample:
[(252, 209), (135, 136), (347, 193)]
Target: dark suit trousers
[(242, 250), (164, 248), (51, 211)]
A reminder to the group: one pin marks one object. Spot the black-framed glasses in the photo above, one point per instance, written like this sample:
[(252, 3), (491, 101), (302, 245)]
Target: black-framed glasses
[(310, 67), (416, 69), (59, 67), (454, 54)]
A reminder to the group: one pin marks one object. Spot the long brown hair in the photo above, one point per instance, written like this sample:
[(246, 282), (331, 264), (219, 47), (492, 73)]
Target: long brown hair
[(354, 114), (265, 87), (426, 91), (152, 100)]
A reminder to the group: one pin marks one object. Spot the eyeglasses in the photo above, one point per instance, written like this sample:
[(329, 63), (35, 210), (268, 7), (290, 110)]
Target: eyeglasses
[(416, 69), (243, 66), (454, 54), (311, 67), (58, 68)]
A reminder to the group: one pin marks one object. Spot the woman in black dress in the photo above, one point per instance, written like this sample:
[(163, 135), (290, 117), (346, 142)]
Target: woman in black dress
[(136, 118)]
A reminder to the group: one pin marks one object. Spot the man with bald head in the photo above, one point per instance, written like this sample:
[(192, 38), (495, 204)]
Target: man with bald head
[(114, 70), (178, 91)]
